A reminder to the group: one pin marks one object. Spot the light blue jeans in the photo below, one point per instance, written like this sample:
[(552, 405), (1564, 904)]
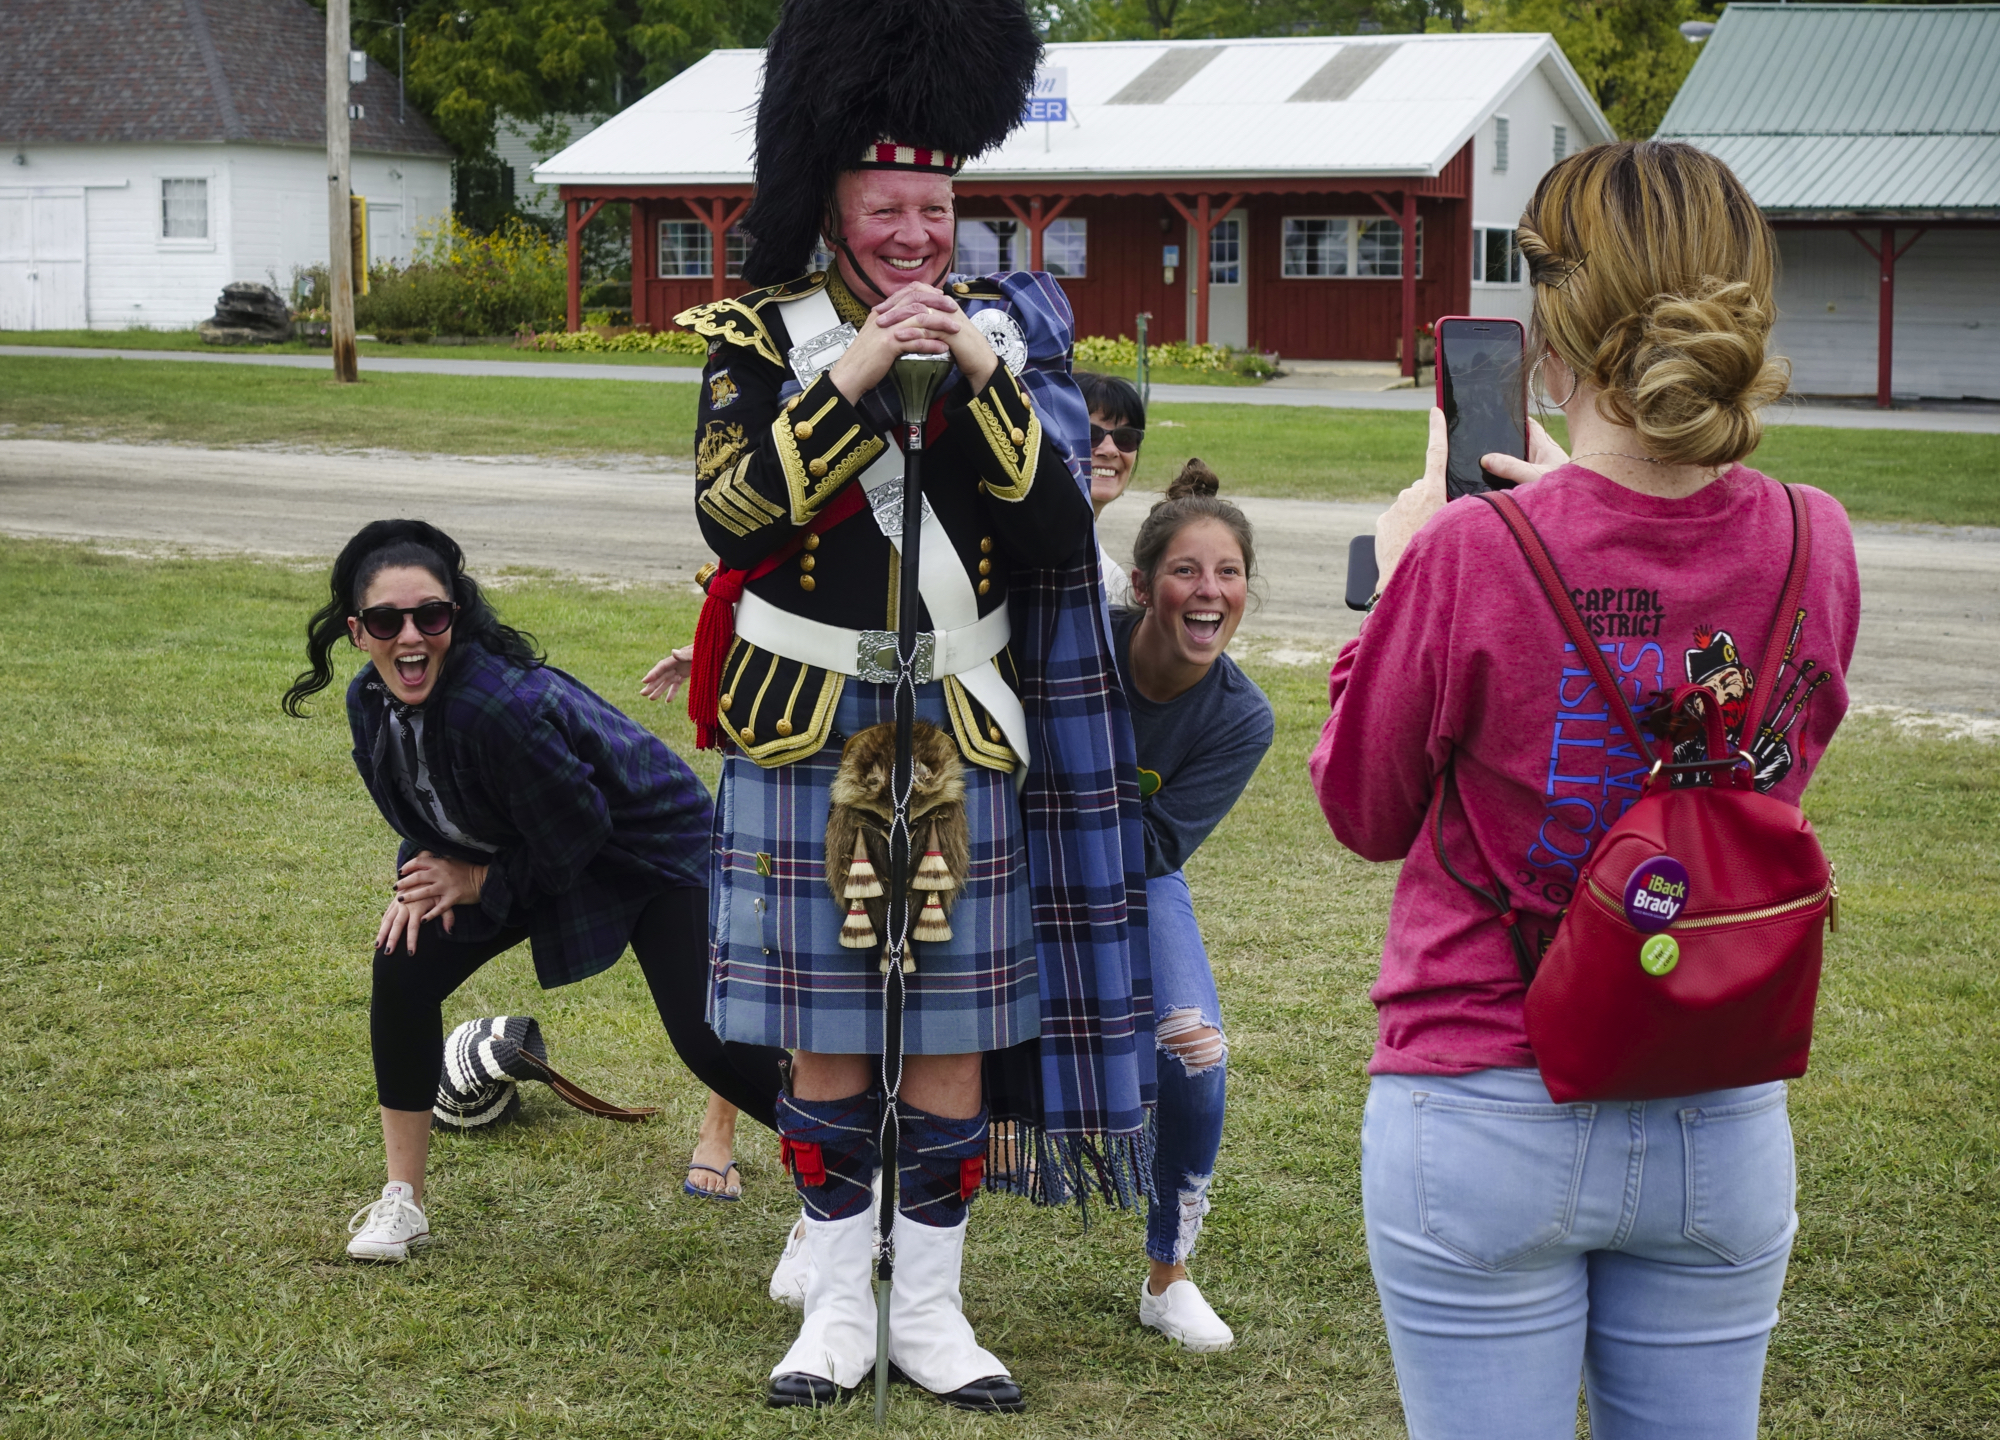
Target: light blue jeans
[(1516, 1243), (1193, 1070)]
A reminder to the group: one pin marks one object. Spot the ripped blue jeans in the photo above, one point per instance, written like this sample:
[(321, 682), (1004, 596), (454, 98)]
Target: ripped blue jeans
[(1194, 1068)]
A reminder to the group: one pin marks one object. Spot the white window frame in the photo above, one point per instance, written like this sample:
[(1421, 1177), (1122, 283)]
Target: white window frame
[(1225, 255), (736, 249), (1520, 266), (1500, 129), (190, 243), (1355, 228), (661, 250), (1076, 264), (1010, 239)]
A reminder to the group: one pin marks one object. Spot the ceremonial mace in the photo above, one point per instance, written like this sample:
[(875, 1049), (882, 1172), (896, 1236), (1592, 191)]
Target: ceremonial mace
[(918, 379)]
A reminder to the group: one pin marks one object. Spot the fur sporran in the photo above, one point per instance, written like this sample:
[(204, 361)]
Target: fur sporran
[(857, 837)]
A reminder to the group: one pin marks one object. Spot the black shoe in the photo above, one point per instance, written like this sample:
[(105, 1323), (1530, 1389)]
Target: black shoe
[(795, 1387), (996, 1394)]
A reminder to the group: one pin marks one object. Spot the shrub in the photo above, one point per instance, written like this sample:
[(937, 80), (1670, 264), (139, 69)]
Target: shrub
[(1099, 352), (465, 283), (672, 342)]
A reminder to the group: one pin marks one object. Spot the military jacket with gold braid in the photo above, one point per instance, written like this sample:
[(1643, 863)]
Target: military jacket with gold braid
[(771, 457)]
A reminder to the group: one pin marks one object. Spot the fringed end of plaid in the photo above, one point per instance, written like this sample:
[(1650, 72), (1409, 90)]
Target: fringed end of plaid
[(1024, 1159)]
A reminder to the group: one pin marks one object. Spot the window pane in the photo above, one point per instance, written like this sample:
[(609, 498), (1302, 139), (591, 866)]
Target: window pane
[(1378, 248), (738, 249), (184, 209), (684, 250), (1065, 248), (1225, 253), (990, 247), (1315, 247)]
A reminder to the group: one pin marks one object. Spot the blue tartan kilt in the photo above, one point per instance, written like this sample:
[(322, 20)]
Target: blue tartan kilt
[(780, 975)]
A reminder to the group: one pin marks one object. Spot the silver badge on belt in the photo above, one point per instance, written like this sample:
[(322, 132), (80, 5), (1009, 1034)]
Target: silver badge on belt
[(812, 358)]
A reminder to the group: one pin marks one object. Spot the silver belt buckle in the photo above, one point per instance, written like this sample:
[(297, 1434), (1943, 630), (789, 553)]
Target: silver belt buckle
[(876, 661)]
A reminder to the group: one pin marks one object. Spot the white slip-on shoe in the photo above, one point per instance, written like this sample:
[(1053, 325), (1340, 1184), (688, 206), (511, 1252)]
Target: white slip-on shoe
[(794, 1272), (835, 1349), (389, 1228), (930, 1341), (1180, 1313)]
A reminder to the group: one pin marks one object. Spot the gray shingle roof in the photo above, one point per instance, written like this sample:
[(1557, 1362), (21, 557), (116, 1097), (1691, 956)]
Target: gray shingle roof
[(1852, 109), (155, 71)]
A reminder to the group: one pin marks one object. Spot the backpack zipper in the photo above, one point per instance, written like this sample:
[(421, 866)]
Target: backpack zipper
[(1828, 892)]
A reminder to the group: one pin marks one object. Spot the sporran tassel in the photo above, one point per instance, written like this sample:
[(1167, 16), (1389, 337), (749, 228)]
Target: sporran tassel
[(862, 882), (932, 872), (856, 933), (931, 927)]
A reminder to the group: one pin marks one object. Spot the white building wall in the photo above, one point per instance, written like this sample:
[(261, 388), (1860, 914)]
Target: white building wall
[(1532, 109), (267, 215), (1947, 328)]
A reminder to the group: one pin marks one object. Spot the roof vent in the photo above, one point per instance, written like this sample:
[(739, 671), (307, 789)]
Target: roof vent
[(1341, 76), (1156, 84)]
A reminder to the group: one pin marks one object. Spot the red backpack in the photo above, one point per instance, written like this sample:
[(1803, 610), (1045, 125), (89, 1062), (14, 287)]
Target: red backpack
[(1689, 959)]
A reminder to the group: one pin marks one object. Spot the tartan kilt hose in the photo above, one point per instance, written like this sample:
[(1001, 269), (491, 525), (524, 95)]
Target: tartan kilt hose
[(781, 976)]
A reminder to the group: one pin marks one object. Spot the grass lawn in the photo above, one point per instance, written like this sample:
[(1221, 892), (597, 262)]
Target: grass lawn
[(1306, 452), (190, 884), (190, 340)]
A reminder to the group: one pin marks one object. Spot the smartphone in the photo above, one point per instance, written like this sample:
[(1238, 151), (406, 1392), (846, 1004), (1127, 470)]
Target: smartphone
[(1362, 575), (1482, 389)]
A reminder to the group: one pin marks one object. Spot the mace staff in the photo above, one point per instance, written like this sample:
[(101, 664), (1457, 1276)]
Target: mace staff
[(918, 379)]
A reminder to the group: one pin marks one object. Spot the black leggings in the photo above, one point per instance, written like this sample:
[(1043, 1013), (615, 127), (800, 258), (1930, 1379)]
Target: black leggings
[(670, 939)]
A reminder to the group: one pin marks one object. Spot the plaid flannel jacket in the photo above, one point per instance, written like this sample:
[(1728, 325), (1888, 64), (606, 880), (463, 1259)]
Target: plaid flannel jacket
[(592, 813)]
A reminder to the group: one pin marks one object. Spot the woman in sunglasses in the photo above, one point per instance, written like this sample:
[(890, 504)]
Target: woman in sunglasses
[(529, 809), (1117, 426)]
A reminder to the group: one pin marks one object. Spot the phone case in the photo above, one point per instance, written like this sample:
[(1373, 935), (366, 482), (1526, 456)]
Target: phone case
[(1437, 366)]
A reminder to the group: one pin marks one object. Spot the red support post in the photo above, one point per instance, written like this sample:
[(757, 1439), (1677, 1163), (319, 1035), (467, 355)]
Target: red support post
[(1405, 216), (1886, 257), (1036, 220), (1202, 220), (641, 314), (578, 218), (718, 219)]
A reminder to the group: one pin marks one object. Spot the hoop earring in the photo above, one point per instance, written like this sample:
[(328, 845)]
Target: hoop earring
[(1536, 389)]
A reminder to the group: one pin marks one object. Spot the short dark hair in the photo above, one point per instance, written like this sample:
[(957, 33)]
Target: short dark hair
[(1112, 396)]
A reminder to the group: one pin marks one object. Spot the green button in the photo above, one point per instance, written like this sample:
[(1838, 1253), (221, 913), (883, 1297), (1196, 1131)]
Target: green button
[(1659, 954)]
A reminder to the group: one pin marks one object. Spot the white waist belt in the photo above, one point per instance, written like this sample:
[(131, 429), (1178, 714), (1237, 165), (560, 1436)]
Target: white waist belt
[(870, 654)]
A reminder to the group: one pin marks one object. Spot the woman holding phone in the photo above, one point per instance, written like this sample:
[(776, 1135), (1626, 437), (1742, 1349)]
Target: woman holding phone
[(529, 810), (1202, 727), (1518, 1244)]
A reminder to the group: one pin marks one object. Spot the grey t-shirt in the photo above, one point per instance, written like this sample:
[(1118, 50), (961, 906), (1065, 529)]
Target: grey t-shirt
[(1196, 752), (413, 775)]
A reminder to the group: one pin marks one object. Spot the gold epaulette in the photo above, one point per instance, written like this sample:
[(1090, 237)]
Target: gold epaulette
[(738, 321), (979, 288)]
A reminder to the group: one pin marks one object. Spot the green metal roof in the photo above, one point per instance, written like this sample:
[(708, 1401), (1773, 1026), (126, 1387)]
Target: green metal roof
[(1852, 110)]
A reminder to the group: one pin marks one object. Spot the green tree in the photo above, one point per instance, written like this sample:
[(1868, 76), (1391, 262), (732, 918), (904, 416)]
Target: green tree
[(1629, 53)]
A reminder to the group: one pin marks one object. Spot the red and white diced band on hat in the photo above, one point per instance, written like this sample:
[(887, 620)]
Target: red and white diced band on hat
[(888, 155)]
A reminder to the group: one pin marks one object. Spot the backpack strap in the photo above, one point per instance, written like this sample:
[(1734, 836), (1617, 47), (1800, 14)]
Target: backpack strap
[(1790, 618), (1544, 566)]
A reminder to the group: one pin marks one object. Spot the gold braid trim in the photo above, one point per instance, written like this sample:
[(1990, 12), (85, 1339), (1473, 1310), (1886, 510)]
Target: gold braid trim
[(808, 491), (733, 322), (1017, 462), (968, 727)]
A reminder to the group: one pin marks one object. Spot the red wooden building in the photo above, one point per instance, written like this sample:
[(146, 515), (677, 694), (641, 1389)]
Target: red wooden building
[(1341, 190)]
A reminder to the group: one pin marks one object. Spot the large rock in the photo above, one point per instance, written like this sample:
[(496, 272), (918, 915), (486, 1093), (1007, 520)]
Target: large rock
[(248, 314)]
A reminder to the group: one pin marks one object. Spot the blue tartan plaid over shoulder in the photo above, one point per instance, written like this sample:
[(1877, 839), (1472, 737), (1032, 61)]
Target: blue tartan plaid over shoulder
[(1094, 1066), (590, 814)]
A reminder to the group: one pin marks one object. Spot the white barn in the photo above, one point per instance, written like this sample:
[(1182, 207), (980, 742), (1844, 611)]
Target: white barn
[(152, 151)]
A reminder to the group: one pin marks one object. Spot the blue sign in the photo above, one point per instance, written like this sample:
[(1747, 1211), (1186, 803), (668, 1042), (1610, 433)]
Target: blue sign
[(1053, 109)]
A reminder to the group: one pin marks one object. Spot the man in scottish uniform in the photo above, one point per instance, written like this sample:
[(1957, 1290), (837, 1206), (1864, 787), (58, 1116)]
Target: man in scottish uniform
[(1033, 996)]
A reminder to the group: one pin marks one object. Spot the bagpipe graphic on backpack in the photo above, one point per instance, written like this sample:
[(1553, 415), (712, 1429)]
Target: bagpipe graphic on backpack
[(1594, 773)]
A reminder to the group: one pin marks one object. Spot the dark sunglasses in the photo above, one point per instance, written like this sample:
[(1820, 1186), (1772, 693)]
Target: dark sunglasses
[(1125, 437), (385, 622)]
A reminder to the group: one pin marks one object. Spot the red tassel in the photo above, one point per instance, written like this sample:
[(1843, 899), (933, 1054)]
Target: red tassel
[(971, 1175), (805, 1161), (713, 635)]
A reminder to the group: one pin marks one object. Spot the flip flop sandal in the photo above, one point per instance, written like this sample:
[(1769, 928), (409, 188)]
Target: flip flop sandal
[(690, 1188)]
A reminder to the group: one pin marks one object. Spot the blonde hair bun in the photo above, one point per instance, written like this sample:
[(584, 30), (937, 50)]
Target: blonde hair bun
[(1195, 479), (1696, 374)]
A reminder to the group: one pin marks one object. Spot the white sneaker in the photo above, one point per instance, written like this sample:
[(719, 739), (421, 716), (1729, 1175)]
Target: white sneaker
[(794, 1272), (390, 1228), (1179, 1313)]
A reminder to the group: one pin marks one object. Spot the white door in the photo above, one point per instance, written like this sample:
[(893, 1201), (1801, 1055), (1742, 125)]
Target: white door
[(41, 261), (1228, 281)]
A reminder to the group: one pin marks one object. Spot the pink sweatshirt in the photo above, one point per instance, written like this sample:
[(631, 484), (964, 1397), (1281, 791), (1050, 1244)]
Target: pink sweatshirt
[(1463, 656)]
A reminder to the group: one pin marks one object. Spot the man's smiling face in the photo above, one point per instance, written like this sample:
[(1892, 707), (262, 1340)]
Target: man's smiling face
[(899, 226)]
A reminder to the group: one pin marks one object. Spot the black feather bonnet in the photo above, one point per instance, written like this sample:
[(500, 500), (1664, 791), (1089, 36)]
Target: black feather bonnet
[(842, 76)]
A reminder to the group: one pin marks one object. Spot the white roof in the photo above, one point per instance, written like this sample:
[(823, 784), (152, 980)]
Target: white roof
[(1267, 108)]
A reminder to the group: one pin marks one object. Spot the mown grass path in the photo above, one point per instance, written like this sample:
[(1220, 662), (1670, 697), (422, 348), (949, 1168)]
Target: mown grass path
[(188, 883)]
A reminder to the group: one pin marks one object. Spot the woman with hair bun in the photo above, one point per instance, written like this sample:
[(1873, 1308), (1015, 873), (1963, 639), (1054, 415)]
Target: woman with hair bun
[(529, 809), (1202, 727), (1517, 1243)]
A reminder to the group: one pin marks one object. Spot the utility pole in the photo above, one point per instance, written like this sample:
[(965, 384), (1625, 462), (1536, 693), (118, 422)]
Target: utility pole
[(340, 222)]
